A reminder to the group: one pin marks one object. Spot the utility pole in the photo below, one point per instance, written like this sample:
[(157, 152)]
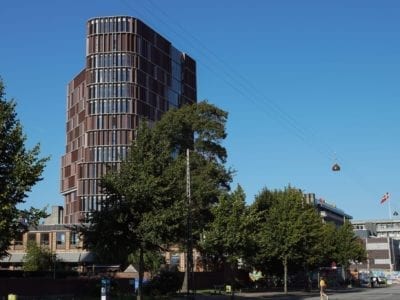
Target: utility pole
[(187, 280)]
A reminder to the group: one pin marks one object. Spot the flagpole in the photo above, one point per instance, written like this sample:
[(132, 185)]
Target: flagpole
[(390, 210)]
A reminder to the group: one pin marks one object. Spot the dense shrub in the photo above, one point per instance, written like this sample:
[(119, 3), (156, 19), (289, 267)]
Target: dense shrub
[(165, 283)]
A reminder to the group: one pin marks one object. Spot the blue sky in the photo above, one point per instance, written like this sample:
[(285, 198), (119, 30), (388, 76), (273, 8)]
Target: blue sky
[(306, 84)]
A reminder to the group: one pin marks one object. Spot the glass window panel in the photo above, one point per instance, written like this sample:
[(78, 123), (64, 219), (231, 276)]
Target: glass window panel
[(123, 25), (44, 238), (60, 238), (106, 26), (31, 237), (18, 240)]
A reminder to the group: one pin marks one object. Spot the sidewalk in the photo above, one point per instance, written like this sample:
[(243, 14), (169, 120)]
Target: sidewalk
[(257, 295), (277, 295)]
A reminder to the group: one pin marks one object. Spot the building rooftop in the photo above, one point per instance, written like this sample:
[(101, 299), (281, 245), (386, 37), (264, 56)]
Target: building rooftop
[(376, 221)]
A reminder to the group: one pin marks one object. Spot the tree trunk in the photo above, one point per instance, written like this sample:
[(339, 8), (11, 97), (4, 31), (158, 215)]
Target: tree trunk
[(344, 269), (307, 280), (141, 273), (185, 284), (285, 275)]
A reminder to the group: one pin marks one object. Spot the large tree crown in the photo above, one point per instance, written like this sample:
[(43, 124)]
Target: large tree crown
[(20, 169)]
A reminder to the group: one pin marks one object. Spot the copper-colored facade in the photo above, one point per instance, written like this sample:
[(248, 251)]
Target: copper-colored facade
[(131, 72)]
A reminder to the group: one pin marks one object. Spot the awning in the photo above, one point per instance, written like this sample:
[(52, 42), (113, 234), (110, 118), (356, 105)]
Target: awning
[(75, 257), (13, 258), (68, 257), (87, 257)]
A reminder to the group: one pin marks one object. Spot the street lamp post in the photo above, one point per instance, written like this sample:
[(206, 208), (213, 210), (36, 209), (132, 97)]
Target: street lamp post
[(187, 281)]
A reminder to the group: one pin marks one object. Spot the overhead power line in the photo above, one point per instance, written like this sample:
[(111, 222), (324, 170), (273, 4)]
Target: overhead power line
[(243, 86)]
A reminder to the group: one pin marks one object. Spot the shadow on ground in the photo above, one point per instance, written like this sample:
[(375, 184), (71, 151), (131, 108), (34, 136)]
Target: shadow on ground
[(277, 295)]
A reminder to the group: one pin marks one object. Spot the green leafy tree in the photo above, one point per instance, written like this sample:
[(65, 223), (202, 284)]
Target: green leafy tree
[(347, 247), (263, 202), (228, 238), (38, 258), (260, 208), (312, 247), (200, 128), (128, 222), (20, 169), (340, 245), (291, 230), (152, 261), (146, 205), (330, 244)]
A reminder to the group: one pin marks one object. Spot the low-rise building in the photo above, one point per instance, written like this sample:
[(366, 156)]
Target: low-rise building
[(382, 241), (66, 244), (328, 211), (57, 238), (378, 228), (382, 255)]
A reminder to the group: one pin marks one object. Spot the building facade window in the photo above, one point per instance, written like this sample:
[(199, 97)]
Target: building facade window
[(74, 239), (19, 240), (44, 239), (175, 260), (31, 238), (60, 240)]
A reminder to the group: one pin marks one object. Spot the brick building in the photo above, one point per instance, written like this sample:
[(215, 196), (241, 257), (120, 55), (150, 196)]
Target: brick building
[(131, 72)]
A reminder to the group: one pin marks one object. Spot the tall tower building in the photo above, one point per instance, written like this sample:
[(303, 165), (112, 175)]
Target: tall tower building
[(131, 72)]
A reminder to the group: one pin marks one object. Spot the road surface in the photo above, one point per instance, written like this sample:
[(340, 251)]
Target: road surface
[(384, 293)]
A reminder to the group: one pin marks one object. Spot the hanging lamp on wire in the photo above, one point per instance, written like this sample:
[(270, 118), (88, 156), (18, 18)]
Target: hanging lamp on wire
[(335, 167)]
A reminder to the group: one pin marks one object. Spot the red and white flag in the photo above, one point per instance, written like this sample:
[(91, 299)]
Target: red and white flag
[(384, 197)]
